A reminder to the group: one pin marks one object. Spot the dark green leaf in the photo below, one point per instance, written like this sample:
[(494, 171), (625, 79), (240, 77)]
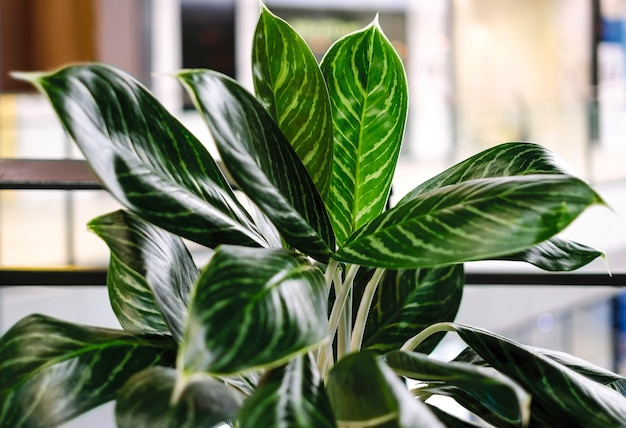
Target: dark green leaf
[(145, 157), (364, 391), (150, 274), (289, 396), (408, 301), (487, 393), (147, 400), (471, 220), (368, 93), (262, 161), (253, 308), (53, 371), (290, 85), (451, 421)]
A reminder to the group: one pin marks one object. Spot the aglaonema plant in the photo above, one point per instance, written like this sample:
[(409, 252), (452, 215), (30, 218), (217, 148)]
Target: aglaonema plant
[(317, 303)]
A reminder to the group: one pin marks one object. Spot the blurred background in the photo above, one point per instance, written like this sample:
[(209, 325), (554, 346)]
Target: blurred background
[(481, 72)]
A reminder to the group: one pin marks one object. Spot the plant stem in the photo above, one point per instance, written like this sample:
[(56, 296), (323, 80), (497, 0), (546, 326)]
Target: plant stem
[(344, 328), (416, 340), (364, 308)]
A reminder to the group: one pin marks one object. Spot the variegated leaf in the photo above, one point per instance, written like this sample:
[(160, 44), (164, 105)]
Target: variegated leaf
[(368, 93), (289, 396), (144, 156), (472, 387), (253, 308), (407, 301), (148, 400), (285, 73), (365, 392), (150, 274), (471, 220), (53, 371), (262, 161)]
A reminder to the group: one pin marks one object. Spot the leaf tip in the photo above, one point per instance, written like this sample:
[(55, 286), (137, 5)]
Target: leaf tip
[(27, 76)]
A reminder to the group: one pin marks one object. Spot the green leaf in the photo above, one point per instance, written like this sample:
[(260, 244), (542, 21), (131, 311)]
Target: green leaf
[(150, 274), (254, 308), (560, 395), (290, 85), (364, 391), (262, 161), (53, 371), (476, 388), (407, 301), (147, 400), (368, 93), (471, 220), (289, 396), (145, 157)]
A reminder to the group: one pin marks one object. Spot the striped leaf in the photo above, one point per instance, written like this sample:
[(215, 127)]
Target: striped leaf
[(253, 308), (368, 93), (472, 387), (472, 220), (290, 85), (53, 370), (560, 395), (147, 400), (407, 301), (262, 161), (150, 274), (365, 392), (289, 396), (145, 157), (512, 159)]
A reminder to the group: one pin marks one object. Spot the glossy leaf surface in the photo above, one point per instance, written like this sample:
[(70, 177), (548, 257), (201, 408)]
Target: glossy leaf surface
[(53, 370), (560, 395), (289, 396), (407, 301), (145, 157), (474, 387), (369, 99), (364, 391), (471, 220), (150, 274), (147, 401), (254, 308), (290, 85), (262, 161)]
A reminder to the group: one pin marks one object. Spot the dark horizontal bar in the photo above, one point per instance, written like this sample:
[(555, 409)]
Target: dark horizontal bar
[(73, 276), (46, 174)]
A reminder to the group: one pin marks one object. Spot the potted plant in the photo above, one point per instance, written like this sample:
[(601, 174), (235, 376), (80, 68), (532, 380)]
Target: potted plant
[(317, 303)]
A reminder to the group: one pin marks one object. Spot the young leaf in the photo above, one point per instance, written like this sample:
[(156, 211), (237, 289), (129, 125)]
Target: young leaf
[(289, 396), (290, 85), (147, 400), (262, 162), (474, 387), (53, 370), (150, 274), (253, 308), (365, 392), (471, 220), (368, 93), (145, 157), (408, 301), (560, 395)]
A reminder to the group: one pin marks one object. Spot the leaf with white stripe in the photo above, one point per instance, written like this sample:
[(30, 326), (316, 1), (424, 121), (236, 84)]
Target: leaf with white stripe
[(144, 156), (148, 400), (407, 301), (150, 274), (253, 308), (472, 220), (53, 371), (289, 396), (290, 85), (262, 161), (369, 98)]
